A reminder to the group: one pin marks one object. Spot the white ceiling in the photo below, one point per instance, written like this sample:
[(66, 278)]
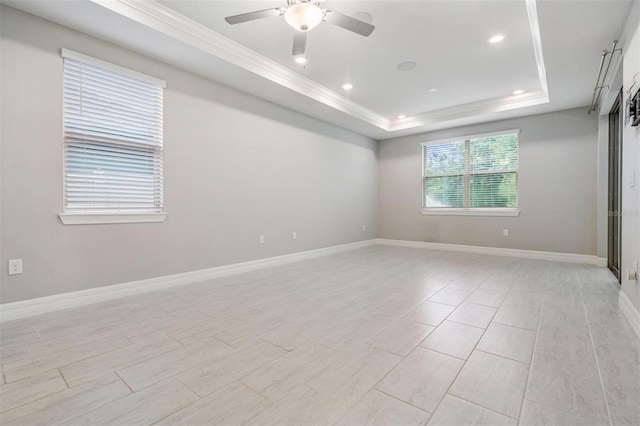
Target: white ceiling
[(551, 50)]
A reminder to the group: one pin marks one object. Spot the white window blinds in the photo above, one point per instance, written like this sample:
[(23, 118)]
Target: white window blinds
[(112, 138), (471, 172)]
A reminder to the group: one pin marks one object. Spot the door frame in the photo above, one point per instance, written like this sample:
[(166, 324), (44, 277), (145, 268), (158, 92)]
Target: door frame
[(614, 193)]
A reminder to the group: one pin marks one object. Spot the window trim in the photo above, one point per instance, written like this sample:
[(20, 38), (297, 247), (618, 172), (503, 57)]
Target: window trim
[(110, 217), (467, 211), (478, 211), (104, 218)]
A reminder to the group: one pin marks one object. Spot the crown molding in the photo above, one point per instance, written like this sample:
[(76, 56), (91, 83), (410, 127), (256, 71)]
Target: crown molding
[(471, 109), (165, 20), (170, 23)]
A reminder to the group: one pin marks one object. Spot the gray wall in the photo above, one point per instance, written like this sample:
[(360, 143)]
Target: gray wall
[(556, 188), (235, 167)]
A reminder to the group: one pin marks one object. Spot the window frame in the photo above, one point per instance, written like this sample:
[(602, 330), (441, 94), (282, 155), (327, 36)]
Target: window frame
[(78, 217), (466, 175)]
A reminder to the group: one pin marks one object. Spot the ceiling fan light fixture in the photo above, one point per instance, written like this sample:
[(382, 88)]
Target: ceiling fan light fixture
[(301, 59), (304, 16)]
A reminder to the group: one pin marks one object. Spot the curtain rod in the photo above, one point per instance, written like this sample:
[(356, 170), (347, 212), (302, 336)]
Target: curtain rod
[(597, 90)]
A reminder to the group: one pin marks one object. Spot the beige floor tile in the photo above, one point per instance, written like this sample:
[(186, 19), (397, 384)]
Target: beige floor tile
[(572, 385), (348, 379), (68, 343), (165, 365), (234, 404), (142, 348), (528, 299), (518, 316), (13, 353), (485, 297), (296, 367), (43, 361), (472, 314), (455, 339), (622, 389), (212, 376), (430, 313), (422, 378), (250, 329), (144, 407), (301, 406), (497, 284), (30, 389), (379, 409), (454, 411), (322, 315), (534, 414), (493, 382), (450, 296), (612, 343), (67, 404), (401, 337), (509, 342), (18, 336), (564, 343)]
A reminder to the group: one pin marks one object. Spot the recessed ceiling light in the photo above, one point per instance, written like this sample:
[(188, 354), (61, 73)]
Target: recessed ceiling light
[(407, 66), (518, 92), (301, 60), (347, 86), (400, 117), (496, 38), (432, 90)]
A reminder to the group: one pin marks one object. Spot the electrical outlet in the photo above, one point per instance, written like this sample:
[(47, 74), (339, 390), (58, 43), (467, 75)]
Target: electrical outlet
[(261, 239), (364, 228), (15, 266), (295, 235), (505, 232)]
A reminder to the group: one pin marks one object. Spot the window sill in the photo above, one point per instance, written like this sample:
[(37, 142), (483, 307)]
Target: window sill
[(469, 212), (103, 218)]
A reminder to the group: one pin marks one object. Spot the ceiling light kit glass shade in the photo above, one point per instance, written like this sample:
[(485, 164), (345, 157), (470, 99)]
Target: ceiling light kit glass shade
[(304, 16)]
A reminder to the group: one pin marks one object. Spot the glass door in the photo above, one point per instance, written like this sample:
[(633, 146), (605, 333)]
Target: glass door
[(615, 188)]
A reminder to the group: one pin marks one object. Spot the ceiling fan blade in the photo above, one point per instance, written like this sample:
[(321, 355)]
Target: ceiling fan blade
[(252, 16), (348, 23), (299, 43)]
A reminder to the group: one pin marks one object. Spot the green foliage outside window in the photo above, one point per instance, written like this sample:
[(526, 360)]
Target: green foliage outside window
[(473, 173)]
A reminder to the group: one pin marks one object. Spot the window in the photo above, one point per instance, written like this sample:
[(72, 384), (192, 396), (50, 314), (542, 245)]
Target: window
[(475, 175), (112, 143)]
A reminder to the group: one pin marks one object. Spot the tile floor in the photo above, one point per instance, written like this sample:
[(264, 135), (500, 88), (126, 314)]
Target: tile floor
[(383, 335)]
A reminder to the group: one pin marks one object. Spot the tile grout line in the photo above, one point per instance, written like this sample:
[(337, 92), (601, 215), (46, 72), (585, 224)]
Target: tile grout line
[(125, 383), (595, 353), (464, 363), (179, 409), (535, 343), (401, 400), (63, 379)]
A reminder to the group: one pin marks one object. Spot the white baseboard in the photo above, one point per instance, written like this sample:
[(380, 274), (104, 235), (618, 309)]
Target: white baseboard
[(496, 251), (26, 308), (629, 311), (602, 262)]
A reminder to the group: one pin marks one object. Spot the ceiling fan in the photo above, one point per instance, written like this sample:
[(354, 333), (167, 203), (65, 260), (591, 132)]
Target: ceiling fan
[(303, 16)]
